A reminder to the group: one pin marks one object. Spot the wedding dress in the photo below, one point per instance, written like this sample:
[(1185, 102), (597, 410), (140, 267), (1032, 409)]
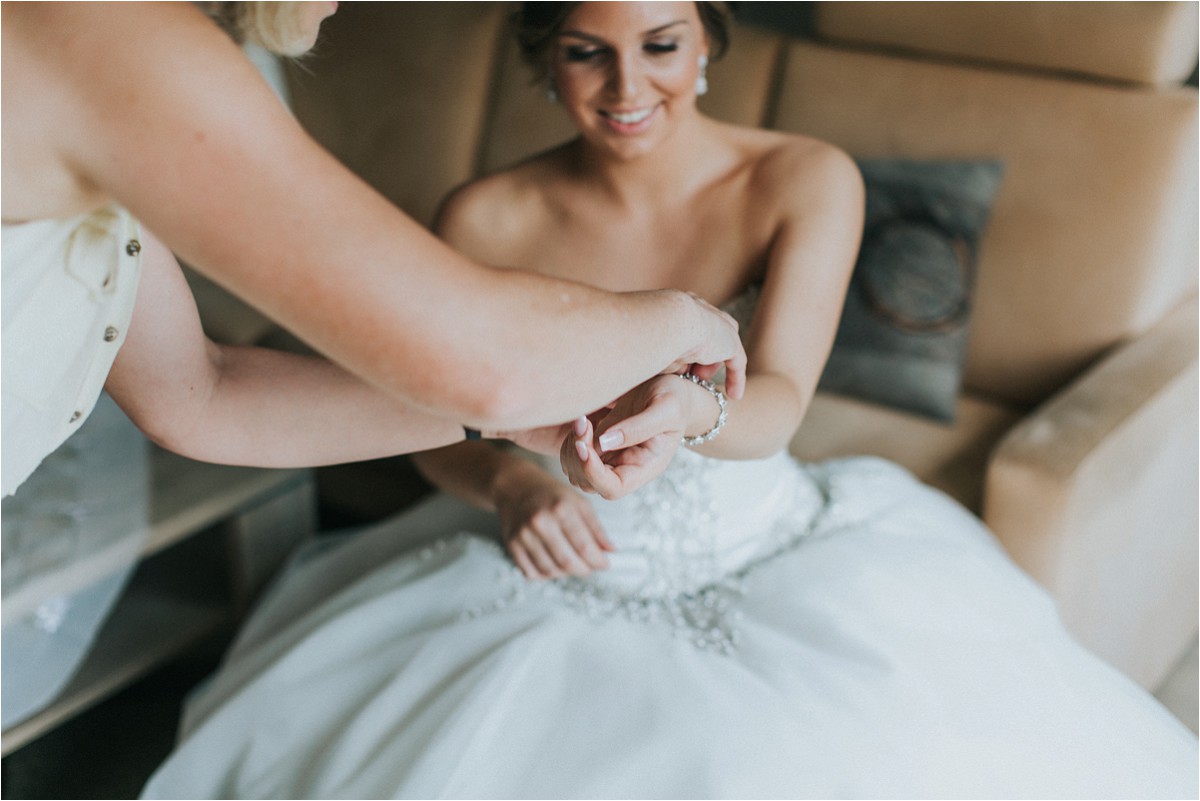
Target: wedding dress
[(765, 629)]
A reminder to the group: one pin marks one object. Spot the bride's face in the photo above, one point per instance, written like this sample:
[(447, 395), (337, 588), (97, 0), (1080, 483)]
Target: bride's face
[(626, 72)]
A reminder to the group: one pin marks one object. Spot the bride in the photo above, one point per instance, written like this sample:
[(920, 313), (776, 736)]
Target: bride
[(743, 626)]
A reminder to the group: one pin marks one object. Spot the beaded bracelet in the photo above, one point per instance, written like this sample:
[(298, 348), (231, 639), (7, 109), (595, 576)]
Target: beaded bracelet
[(711, 434)]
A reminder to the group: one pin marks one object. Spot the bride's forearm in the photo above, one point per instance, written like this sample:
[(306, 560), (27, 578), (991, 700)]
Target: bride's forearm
[(762, 423), (473, 471)]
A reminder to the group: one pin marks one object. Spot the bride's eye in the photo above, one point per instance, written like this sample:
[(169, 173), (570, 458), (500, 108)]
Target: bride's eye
[(583, 53), (660, 48)]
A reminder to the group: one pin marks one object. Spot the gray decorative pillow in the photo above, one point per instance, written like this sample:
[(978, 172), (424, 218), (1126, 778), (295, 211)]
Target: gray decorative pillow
[(903, 332)]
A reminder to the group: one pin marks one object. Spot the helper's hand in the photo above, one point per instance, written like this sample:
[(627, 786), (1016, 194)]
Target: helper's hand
[(721, 347), (549, 528), (638, 437)]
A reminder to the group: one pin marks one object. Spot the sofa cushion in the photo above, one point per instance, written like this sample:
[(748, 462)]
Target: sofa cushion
[(1149, 43), (1092, 236), (950, 458), (903, 331), (399, 92)]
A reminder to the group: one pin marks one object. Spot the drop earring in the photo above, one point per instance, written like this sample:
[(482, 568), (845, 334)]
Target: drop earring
[(551, 92), (702, 78)]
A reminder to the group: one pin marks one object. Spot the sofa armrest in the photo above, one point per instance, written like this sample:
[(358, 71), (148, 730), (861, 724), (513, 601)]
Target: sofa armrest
[(1095, 495)]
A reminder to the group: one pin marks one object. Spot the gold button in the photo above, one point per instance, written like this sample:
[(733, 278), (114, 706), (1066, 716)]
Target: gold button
[(134, 247), (110, 334), (75, 417)]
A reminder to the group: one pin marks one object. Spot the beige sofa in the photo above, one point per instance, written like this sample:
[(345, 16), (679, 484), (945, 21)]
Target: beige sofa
[(1076, 434)]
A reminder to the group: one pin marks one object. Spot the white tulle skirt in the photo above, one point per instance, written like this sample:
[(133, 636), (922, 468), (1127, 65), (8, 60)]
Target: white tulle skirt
[(861, 636)]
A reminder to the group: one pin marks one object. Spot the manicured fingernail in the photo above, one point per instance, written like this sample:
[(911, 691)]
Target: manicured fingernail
[(611, 439), (582, 450), (580, 426)]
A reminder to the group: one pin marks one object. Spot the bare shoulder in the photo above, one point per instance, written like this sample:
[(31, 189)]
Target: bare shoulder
[(490, 218), (798, 172)]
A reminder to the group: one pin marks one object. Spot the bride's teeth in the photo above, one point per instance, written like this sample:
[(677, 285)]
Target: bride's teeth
[(632, 117)]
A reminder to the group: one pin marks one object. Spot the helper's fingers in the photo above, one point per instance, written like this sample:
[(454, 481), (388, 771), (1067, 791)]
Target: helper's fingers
[(735, 377), (595, 475), (583, 466)]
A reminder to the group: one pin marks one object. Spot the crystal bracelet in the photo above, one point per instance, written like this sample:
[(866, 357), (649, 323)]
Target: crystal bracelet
[(721, 418)]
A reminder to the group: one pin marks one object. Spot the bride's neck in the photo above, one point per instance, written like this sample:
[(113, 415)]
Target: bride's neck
[(673, 169)]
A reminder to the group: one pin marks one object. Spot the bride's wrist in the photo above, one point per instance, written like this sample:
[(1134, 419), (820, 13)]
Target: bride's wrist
[(706, 414), (510, 478)]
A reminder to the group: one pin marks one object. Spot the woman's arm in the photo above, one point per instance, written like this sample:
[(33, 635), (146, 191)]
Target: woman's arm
[(247, 405), (176, 125)]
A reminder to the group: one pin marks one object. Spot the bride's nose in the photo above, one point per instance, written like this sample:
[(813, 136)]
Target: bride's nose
[(625, 78)]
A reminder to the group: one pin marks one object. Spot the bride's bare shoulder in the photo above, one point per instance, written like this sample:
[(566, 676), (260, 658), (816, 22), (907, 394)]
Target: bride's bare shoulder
[(792, 165), (492, 214)]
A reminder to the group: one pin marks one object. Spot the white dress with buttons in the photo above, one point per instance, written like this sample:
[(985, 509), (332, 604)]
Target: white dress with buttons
[(68, 291)]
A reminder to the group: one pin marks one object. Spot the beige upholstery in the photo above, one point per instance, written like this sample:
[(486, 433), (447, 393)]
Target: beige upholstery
[(1140, 42), (1076, 436), (413, 130), (1095, 495), (950, 458), (1093, 234)]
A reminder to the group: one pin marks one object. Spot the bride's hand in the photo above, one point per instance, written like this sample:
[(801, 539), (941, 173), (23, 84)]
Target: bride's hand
[(549, 528), (638, 438)]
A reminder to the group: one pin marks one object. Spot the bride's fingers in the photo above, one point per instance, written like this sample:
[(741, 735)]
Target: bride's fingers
[(560, 548), (655, 419), (597, 531), (538, 553), (597, 476), (521, 558), (584, 541)]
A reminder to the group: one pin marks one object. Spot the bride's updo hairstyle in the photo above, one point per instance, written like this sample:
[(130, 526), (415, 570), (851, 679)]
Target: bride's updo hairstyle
[(537, 24), (275, 26)]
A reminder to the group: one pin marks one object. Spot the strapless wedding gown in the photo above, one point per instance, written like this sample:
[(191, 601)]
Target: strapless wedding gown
[(767, 629)]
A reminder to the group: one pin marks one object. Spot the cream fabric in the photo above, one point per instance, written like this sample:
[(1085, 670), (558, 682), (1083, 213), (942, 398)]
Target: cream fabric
[(1152, 43), (1092, 237), (69, 288), (1095, 495), (948, 457)]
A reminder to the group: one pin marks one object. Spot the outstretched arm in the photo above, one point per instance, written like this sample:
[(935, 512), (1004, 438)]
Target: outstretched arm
[(248, 405), (197, 147)]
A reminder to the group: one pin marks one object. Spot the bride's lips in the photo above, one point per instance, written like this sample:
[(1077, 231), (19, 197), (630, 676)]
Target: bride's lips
[(629, 122)]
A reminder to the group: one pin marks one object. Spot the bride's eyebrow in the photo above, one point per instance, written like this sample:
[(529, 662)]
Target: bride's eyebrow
[(587, 37)]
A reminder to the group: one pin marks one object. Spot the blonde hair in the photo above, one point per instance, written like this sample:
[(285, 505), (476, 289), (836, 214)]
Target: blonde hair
[(275, 26)]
